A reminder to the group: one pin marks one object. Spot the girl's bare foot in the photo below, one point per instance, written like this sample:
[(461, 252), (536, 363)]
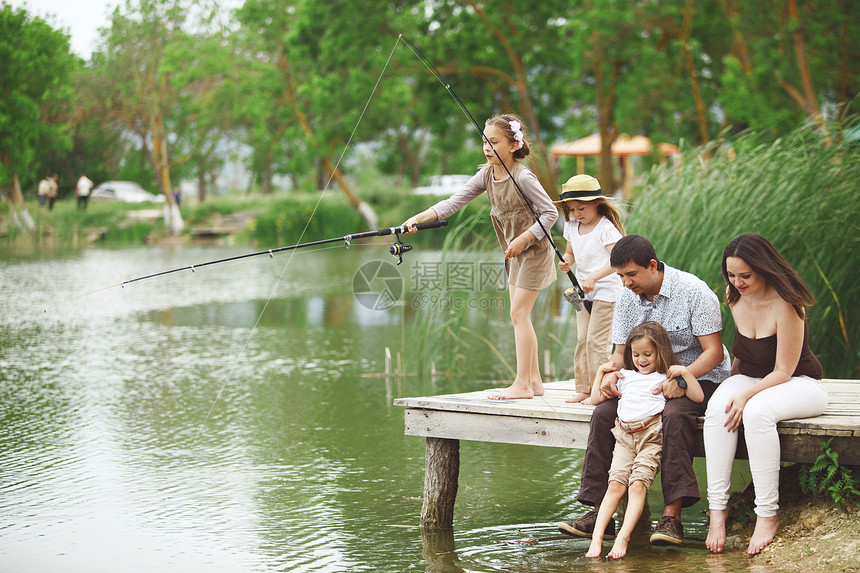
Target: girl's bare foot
[(716, 539), (595, 547), (578, 397), (765, 529), (519, 390), (619, 548)]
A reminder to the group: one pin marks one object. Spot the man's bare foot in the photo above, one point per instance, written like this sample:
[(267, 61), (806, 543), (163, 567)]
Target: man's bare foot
[(765, 529), (586, 402), (716, 539), (519, 390), (595, 547), (619, 548), (577, 398)]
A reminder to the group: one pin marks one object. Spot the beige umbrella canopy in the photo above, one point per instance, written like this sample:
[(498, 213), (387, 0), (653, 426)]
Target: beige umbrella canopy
[(623, 147)]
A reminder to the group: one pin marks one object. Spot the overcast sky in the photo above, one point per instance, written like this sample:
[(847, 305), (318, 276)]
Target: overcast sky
[(81, 19)]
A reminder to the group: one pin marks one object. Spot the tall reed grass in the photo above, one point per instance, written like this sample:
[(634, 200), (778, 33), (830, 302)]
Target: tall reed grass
[(438, 331), (799, 192)]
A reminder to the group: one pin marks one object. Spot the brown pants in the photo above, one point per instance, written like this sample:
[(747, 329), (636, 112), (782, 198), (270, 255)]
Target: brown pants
[(679, 439)]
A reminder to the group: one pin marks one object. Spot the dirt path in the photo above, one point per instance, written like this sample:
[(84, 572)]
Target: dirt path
[(814, 535)]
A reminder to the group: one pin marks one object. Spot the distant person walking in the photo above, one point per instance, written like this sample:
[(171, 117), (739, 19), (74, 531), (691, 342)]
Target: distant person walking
[(44, 188), (82, 191), (52, 190)]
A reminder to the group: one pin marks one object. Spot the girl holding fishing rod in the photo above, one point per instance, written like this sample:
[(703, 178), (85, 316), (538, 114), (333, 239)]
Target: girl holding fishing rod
[(529, 262)]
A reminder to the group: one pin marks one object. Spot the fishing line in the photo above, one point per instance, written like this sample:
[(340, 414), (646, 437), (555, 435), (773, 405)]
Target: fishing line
[(574, 294), (292, 253), (570, 296)]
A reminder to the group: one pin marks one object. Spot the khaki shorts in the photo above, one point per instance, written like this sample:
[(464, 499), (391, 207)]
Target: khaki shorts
[(638, 449)]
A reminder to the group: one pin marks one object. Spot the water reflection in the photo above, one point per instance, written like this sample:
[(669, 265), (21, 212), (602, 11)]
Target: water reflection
[(233, 419), (439, 552)]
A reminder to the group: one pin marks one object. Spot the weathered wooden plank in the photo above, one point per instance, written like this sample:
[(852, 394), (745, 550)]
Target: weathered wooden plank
[(842, 417), (497, 429)]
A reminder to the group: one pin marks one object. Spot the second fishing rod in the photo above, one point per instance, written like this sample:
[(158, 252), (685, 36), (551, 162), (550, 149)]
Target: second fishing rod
[(573, 294)]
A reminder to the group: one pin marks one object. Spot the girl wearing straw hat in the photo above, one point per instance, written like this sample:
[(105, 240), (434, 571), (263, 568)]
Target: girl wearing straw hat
[(592, 227)]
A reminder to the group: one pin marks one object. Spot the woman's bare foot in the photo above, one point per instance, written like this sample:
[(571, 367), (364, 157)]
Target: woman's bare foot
[(619, 548), (595, 547), (716, 539), (537, 388), (765, 529), (519, 390), (577, 398)]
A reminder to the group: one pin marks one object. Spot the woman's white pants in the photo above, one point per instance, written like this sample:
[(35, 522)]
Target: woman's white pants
[(800, 397)]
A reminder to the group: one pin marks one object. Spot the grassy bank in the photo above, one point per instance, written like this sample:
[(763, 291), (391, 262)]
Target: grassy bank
[(279, 219)]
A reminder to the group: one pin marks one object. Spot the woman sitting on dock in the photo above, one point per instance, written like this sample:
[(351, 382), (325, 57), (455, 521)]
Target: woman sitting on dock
[(775, 376)]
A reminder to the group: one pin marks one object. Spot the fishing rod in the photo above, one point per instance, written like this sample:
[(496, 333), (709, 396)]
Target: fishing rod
[(573, 294), (398, 249)]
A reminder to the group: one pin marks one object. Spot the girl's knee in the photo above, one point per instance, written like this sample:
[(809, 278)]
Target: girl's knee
[(638, 487), (616, 488)]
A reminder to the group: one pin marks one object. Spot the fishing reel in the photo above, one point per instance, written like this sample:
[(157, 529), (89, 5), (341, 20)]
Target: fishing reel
[(571, 295), (399, 248)]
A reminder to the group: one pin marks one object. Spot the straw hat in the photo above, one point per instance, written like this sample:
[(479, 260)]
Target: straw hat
[(580, 188)]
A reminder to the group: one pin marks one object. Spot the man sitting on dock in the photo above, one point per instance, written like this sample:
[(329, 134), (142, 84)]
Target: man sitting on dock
[(690, 312)]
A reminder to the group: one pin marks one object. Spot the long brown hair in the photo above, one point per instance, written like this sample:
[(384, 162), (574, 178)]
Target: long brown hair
[(765, 260), (658, 336), (605, 207)]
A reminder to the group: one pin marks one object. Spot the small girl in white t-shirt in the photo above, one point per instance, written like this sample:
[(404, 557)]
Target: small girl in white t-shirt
[(592, 227), (648, 361)]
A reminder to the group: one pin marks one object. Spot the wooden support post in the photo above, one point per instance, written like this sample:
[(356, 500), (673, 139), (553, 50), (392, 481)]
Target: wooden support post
[(441, 472)]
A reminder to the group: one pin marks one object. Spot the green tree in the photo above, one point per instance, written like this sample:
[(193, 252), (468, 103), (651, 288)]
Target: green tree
[(132, 76), (789, 61), (319, 60), (494, 52), (36, 65)]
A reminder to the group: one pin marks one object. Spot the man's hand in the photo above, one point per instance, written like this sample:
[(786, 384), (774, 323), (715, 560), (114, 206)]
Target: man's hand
[(609, 382)]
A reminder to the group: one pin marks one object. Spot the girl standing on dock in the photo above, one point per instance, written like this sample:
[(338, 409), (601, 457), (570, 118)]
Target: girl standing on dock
[(775, 376), (528, 252), (592, 227)]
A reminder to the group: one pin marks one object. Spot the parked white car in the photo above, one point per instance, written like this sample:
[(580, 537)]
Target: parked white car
[(443, 185), (127, 191)]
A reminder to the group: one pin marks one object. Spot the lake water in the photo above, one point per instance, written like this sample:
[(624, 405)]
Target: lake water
[(235, 419)]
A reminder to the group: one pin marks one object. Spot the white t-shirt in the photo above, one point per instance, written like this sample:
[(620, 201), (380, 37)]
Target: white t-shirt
[(84, 186), (637, 401), (590, 253)]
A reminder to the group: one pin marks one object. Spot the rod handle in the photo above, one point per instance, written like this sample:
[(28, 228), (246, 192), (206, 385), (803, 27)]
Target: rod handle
[(431, 225)]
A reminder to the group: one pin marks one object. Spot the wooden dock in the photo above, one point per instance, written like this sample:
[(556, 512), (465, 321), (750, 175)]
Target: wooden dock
[(548, 421)]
